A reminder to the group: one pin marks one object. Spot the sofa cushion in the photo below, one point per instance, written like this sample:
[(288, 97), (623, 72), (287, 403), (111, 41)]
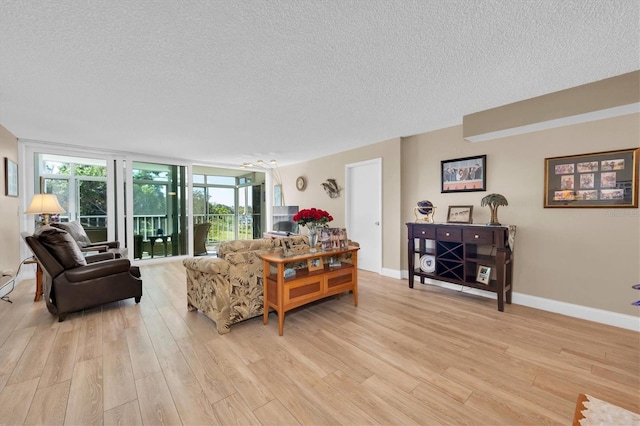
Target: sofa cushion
[(295, 243), (237, 246), (208, 265), (63, 247), (76, 231)]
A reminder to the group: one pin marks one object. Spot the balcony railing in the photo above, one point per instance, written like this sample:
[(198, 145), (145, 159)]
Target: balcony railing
[(223, 226)]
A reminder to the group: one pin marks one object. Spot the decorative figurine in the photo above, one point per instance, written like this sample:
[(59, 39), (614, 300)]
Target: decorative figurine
[(494, 201), (426, 209)]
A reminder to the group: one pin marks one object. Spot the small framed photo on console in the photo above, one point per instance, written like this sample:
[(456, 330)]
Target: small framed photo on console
[(460, 214), (315, 264), (484, 274)]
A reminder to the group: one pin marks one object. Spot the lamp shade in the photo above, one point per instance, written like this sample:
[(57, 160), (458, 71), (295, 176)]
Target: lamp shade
[(44, 204)]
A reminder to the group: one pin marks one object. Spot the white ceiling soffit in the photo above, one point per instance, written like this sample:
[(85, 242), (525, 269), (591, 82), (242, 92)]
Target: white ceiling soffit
[(229, 82)]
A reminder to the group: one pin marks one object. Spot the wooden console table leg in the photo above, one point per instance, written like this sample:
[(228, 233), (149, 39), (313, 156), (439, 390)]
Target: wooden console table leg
[(354, 259), (38, 295), (265, 295), (38, 283), (501, 277), (280, 323), (411, 261), (280, 298), (510, 278)]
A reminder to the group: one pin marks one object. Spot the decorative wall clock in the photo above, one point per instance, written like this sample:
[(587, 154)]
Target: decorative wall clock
[(301, 183)]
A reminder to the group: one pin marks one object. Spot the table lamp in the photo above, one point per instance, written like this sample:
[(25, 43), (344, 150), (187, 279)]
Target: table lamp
[(46, 205)]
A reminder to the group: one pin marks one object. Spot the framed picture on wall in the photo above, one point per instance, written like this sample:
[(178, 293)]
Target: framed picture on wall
[(10, 178), (601, 179), (464, 174), (277, 195)]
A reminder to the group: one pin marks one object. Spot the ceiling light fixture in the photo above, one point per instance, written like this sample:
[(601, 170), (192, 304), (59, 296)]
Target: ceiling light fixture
[(271, 168)]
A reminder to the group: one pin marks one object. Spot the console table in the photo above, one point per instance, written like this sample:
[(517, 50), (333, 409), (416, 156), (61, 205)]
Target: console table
[(284, 294), (458, 252)]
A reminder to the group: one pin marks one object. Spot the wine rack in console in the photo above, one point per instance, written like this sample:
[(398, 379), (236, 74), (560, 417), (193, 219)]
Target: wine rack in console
[(458, 251)]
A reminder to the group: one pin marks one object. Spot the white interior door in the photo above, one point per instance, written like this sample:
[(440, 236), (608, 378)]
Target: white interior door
[(363, 208)]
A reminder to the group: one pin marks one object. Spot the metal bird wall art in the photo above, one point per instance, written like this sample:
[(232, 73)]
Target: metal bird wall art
[(331, 188)]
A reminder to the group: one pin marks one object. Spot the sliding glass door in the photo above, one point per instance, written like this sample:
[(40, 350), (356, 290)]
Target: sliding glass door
[(230, 203), (80, 185), (145, 205), (159, 210)]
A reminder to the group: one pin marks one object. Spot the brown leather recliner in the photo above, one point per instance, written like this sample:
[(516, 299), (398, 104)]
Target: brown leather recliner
[(72, 282)]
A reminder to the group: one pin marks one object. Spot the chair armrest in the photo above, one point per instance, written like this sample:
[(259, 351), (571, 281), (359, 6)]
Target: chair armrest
[(100, 249), (210, 265), (109, 244), (100, 257), (98, 270)]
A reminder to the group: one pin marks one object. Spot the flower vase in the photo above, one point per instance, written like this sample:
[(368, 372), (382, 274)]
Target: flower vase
[(313, 236)]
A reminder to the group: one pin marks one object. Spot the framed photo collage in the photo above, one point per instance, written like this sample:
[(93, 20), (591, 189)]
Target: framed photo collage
[(603, 179)]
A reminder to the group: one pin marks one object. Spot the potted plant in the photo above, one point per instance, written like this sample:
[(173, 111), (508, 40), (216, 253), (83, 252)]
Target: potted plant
[(494, 201)]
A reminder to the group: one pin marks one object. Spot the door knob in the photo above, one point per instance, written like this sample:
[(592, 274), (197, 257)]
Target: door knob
[(377, 223)]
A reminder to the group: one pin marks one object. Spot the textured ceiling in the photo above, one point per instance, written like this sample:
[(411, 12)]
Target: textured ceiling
[(223, 82)]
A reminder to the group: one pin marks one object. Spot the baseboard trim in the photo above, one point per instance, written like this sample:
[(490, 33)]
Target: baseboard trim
[(392, 273), (601, 316), (615, 319)]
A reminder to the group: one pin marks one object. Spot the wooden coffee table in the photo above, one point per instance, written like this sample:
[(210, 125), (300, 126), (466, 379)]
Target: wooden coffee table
[(315, 282)]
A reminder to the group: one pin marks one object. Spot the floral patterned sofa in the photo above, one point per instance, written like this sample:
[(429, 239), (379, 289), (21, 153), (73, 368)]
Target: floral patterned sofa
[(228, 289)]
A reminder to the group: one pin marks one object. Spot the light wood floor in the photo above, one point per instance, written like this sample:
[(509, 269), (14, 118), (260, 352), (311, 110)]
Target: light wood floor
[(421, 356)]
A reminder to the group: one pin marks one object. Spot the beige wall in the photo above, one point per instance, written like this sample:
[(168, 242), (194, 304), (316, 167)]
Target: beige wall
[(10, 224), (588, 257), (333, 166)]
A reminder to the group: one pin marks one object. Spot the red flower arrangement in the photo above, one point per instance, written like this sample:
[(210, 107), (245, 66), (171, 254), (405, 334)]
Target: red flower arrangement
[(312, 216)]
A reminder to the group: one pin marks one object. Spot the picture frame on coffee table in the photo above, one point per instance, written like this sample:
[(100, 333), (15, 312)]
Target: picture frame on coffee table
[(315, 264)]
